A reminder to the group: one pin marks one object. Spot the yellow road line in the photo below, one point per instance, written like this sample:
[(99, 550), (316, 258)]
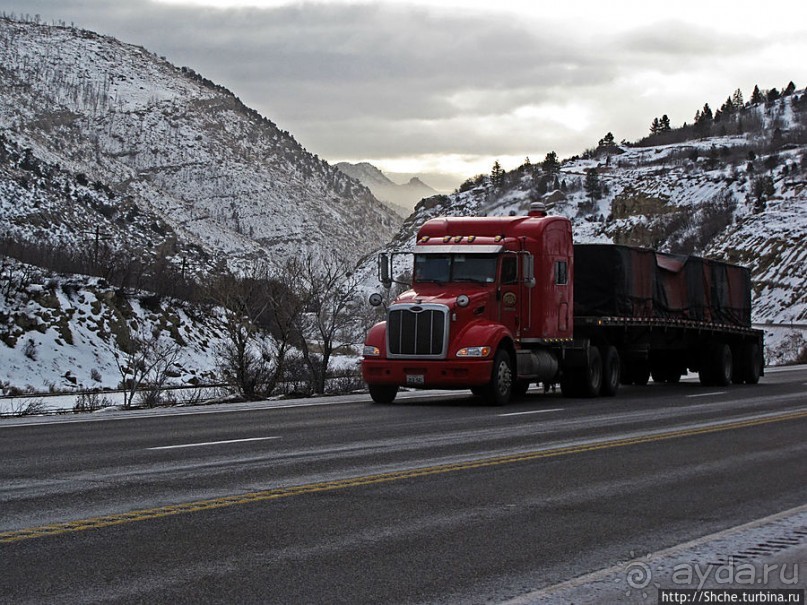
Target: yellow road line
[(340, 484)]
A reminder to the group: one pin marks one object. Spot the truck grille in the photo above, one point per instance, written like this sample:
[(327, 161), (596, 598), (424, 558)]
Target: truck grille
[(417, 331)]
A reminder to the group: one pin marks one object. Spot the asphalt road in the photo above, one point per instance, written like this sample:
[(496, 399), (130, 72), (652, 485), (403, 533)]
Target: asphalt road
[(429, 500)]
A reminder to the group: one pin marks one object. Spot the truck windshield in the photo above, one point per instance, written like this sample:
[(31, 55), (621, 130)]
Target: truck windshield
[(443, 268)]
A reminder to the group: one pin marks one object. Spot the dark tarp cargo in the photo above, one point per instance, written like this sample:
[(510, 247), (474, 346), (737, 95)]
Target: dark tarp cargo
[(624, 281), (613, 280)]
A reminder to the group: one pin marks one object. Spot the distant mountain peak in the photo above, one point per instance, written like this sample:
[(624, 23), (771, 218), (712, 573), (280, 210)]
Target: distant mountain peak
[(400, 197)]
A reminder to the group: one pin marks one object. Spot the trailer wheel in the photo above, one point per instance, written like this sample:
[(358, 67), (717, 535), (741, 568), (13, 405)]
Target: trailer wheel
[(611, 370), (716, 366), (755, 364), (383, 393), (747, 364), (500, 388)]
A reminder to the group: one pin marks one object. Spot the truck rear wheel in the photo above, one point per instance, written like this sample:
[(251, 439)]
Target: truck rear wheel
[(592, 375), (610, 371), (383, 393), (584, 382), (500, 388)]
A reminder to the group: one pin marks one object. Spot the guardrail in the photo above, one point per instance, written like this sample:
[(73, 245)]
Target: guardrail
[(48, 404)]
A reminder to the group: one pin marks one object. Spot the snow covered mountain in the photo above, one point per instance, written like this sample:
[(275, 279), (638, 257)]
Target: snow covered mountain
[(220, 178), (739, 195), (400, 197)]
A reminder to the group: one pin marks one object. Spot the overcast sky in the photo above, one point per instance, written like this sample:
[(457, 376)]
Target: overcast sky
[(447, 87)]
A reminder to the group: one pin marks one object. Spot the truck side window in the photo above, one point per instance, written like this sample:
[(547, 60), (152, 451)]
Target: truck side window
[(561, 273), (509, 270)]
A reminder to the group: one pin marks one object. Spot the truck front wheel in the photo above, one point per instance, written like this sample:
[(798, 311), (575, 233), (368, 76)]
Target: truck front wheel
[(500, 388), (383, 393)]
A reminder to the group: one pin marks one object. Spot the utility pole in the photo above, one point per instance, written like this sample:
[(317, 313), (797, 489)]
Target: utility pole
[(97, 236)]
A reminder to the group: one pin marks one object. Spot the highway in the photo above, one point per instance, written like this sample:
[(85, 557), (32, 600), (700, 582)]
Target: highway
[(433, 499)]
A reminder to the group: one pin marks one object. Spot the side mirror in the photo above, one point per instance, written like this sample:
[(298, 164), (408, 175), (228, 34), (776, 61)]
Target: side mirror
[(384, 269), (375, 299), (529, 271)]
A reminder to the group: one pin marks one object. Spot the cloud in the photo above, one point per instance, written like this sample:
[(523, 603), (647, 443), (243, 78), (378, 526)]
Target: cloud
[(365, 81)]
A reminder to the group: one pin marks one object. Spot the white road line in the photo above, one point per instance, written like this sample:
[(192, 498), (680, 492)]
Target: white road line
[(174, 447), (532, 412), (708, 394)]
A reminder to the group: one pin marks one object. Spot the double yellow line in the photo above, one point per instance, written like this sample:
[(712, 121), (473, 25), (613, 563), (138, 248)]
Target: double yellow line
[(55, 529)]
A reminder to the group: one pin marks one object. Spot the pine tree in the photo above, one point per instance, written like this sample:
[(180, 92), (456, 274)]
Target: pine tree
[(789, 90), (655, 126), (737, 99), (756, 96), (551, 165), (665, 123), (703, 121), (497, 175), (607, 141), (592, 184)]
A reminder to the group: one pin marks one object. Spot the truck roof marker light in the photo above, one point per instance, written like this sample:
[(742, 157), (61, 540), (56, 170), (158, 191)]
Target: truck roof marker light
[(471, 239), (457, 239), (498, 238), (424, 239), (446, 239)]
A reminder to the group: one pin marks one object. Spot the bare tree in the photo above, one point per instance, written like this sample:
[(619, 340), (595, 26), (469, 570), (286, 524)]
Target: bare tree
[(284, 308), (144, 359), (328, 290), (244, 355)]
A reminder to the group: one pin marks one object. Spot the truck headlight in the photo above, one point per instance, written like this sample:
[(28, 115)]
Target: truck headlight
[(474, 352), (370, 351)]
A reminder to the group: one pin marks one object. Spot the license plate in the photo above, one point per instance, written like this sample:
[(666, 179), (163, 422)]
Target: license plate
[(415, 379)]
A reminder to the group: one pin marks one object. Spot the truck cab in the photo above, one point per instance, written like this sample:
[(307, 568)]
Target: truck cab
[(486, 294)]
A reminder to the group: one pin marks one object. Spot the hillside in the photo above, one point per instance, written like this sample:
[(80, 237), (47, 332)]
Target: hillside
[(737, 197), (222, 179), (59, 332), (400, 197)]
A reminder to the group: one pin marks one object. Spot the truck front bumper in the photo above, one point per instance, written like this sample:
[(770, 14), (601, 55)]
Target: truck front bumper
[(419, 373)]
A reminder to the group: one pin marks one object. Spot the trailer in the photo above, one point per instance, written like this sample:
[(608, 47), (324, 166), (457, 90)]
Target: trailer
[(499, 303)]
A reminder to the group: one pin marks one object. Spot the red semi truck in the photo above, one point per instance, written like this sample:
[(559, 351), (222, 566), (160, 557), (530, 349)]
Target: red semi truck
[(499, 303)]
